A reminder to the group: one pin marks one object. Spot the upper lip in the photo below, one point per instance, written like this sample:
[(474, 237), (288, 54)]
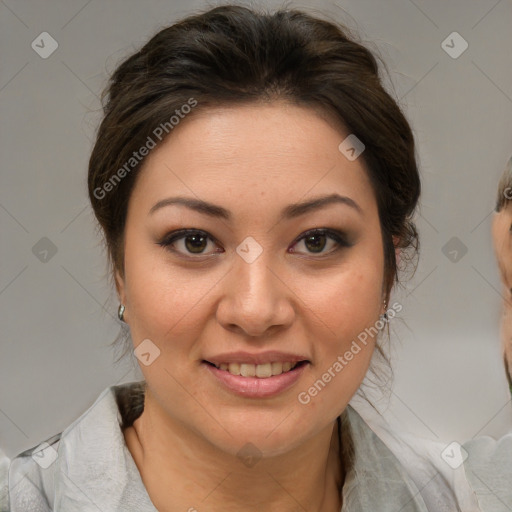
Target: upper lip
[(271, 356)]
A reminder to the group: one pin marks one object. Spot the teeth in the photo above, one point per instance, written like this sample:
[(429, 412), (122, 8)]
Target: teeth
[(248, 370), (264, 370), (277, 368), (257, 370), (233, 368)]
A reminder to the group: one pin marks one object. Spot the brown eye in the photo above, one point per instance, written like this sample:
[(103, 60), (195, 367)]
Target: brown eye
[(188, 242), (316, 240), (196, 243), (315, 243)]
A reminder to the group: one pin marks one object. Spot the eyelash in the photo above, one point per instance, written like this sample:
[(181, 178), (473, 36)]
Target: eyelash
[(335, 235)]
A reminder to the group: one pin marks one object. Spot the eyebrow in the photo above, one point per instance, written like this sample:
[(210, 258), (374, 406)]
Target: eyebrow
[(289, 212)]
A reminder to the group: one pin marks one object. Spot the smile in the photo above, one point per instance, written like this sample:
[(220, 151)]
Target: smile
[(256, 380), (261, 371)]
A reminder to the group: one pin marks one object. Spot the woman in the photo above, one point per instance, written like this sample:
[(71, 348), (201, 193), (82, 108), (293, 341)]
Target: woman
[(255, 184)]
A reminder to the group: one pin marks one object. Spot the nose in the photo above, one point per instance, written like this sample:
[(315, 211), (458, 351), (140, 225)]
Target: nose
[(256, 300)]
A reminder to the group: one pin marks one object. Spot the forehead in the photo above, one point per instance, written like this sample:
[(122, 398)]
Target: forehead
[(264, 152)]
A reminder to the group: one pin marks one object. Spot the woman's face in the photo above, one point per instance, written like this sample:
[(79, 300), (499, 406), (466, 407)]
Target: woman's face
[(252, 281)]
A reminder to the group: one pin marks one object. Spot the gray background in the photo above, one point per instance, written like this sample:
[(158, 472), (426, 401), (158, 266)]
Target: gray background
[(58, 316)]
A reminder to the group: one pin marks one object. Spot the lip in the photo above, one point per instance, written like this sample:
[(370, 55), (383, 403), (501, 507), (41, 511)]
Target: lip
[(270, 356), (256, 387)]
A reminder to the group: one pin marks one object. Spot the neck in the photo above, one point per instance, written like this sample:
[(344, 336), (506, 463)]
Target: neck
[(183, 471)]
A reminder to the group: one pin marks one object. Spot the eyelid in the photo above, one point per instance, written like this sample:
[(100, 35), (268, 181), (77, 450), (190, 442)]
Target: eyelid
[(338, 236), (179, 234)]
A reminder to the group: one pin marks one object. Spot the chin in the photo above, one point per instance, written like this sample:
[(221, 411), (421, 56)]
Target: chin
[(256, 435)]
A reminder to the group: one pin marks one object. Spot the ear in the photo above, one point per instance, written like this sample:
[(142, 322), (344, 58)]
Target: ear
[(120, 287)]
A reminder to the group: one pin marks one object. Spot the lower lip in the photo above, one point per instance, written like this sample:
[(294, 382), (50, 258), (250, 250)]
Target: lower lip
[(256, 387)]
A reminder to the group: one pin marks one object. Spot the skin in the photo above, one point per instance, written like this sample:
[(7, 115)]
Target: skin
[(252, 160), (502, 240)]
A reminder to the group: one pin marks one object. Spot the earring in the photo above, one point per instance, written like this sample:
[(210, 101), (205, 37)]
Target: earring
[(120, 312), (384, 317)]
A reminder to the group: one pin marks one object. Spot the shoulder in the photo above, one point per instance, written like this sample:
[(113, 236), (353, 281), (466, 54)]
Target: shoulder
[(486, 449), (31, 477), (375, 478), (79, 457), (488, 468), (442, 488)]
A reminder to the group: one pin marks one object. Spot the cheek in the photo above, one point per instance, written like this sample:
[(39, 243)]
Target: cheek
[(354, 309), (165, 300), (344, 350), (171, 301), (351, 300), (345, 325)]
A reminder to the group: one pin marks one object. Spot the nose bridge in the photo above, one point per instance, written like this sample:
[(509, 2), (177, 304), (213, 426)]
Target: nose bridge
[(254, 276), (255, 298)]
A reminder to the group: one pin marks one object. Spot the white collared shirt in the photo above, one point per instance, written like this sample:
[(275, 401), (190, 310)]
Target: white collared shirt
[(88, 467)]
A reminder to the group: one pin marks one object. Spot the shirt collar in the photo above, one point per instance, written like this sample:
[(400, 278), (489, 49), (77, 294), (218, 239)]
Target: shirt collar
[(98, 471), (376, 480)]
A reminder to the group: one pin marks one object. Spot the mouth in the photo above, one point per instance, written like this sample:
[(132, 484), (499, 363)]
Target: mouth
[(261, 371), (264, 380)]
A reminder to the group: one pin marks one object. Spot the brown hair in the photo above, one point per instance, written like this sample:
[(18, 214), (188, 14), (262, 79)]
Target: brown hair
[(234, 55)]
